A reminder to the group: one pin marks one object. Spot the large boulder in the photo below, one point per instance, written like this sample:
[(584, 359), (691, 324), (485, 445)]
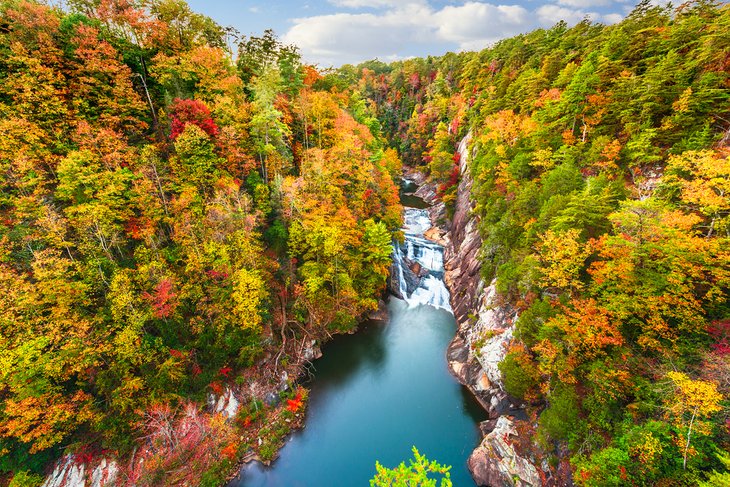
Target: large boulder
[(495, 463)]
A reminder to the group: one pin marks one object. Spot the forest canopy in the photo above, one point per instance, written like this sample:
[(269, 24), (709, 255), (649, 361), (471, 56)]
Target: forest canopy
[(182, 209), (170, 213), (602, 191)]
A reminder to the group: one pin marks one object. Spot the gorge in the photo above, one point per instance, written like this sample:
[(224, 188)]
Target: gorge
[(205, 258), (387, 388)]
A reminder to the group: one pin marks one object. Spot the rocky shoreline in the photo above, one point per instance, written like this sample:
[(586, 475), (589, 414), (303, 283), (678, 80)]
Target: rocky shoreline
[(485, 324), (75, 470)]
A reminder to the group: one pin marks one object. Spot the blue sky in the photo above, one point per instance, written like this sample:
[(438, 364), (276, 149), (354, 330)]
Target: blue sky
[(333, 32)]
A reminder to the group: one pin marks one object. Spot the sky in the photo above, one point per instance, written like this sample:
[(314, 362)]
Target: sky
[(335, 32)]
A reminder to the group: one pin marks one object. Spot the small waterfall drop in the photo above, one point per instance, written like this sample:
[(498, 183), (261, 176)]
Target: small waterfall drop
[(419, 264)]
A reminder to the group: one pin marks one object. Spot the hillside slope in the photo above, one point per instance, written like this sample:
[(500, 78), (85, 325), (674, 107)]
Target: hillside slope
[(598, 179)]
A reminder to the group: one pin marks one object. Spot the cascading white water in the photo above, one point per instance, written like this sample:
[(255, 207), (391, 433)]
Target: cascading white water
[(425, 285), (416, 221)]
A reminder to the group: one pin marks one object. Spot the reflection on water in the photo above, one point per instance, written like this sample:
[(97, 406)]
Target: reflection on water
[(347, 357), (376, 394)]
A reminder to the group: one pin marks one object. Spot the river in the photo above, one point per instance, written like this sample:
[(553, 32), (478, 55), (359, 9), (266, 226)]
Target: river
[(387, 388)]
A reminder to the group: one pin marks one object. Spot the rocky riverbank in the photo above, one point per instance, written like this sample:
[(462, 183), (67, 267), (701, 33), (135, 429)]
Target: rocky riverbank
[(241, 422), (485, 324)]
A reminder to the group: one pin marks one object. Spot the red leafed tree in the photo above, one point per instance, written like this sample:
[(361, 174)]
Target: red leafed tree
[(194, 112), (720, 332), (295, 404), (164, 299)]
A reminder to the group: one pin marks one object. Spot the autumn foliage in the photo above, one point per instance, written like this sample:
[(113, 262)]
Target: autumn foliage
[(184, 112), (156, 228), (602, 208)]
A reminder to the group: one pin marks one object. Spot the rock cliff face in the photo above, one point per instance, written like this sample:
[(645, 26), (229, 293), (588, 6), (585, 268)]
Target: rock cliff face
[(485, 326), (70, 472), (495, 461)]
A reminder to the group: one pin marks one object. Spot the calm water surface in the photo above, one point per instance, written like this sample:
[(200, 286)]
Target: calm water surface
[(376, 394), (387, 388)]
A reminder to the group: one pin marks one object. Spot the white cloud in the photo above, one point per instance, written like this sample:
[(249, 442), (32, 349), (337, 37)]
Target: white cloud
[(478, 24), (341, 38), (406, 27), (375, 3), (551, 14), (609, 19), (585, 3)]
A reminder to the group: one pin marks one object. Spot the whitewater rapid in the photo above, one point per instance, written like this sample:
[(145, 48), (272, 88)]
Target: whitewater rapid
[(420, 264)]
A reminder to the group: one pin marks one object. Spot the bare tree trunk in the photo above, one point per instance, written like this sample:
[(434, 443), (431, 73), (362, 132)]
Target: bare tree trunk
[(689, 436)]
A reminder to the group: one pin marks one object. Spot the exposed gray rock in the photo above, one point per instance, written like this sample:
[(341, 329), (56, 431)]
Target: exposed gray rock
[(271, 399), (67, 473), (226, 404), (495, 463), (311, 351), (485, 330), (283, 381), (410, 276), (427, 192), (461, 255), (105, 473)]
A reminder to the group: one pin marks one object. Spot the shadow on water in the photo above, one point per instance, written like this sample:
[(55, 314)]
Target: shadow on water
[(375, 395), (413, 201), (347, 355), (472, 406), (408, 199)]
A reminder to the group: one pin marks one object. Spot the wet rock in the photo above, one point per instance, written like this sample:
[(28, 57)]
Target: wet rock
[(411, 279), (380, 314), (393, 284)]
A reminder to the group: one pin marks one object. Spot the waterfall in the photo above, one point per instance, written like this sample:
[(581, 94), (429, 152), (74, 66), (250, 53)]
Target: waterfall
[(420, 264)]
